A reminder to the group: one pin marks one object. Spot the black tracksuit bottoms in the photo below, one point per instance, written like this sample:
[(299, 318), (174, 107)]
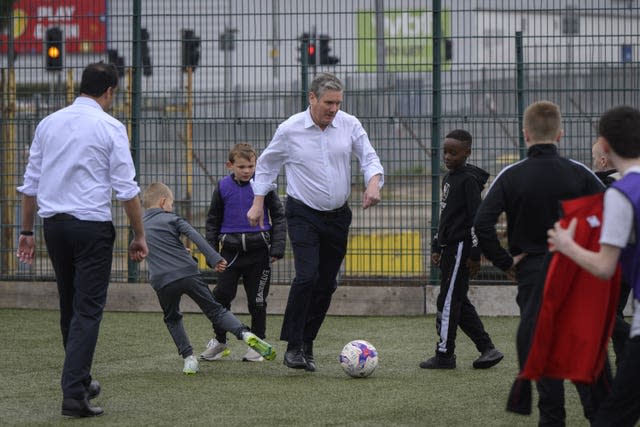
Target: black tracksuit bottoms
[(255, 270), (454, 308)]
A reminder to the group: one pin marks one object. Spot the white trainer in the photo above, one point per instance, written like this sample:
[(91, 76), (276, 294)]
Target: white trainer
[(215, 350), (190, 365), (252, 356)]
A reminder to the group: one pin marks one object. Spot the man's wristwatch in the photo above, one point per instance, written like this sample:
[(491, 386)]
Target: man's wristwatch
[(26, 233)]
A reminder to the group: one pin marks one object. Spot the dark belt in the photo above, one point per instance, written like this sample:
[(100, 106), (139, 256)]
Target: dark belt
[(333, 212), (62, 217)]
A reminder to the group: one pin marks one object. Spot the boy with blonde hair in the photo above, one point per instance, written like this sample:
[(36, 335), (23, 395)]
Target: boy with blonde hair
[(173, 272)]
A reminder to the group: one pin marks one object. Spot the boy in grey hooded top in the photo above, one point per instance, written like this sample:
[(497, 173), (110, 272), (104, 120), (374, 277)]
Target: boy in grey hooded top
[(173, 272)]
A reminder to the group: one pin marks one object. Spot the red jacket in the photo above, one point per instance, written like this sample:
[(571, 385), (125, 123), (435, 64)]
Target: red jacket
[(578, 309)]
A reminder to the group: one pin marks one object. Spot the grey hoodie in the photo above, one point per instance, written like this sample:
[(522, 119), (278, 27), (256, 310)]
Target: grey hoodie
[(168, 258)]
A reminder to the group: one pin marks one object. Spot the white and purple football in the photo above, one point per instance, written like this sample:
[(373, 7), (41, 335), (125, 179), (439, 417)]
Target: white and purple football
[(359, 358)]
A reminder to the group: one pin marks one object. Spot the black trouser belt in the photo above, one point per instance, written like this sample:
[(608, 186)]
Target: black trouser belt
[(62, 217), (333, 212)]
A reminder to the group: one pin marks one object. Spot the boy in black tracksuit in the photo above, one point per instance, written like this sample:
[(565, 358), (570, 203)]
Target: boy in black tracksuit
[(529, 192), (455, 249), (248, 250)]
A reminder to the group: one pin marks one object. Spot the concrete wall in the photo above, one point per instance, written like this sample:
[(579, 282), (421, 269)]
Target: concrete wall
[(348, 300)]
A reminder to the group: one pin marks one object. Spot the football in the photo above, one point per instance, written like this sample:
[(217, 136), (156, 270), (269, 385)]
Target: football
[(359, 358)]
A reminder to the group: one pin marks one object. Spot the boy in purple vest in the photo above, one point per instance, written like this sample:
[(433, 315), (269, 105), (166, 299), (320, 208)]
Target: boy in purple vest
[(619, 136), (248, 250)]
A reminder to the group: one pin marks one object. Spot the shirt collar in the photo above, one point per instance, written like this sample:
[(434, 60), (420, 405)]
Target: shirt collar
[(89, 102), (542, 149), (308, 120), (635, 169)]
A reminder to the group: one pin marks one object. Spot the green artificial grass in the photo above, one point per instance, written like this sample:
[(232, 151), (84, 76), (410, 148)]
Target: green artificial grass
[(142, 381)]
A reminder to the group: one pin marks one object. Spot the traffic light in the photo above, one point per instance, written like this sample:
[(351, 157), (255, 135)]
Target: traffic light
[(53, 49), (147, 69), (190, 50), (325, 58), (307, 49)]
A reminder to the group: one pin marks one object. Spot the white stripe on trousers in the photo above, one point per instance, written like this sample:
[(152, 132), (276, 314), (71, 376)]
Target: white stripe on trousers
[(446, 307)]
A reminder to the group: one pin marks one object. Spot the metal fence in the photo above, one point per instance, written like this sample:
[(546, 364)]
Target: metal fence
[(201, 75)]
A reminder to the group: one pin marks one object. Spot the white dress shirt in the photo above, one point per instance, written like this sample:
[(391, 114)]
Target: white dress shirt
[(317, 162), (78, 156)]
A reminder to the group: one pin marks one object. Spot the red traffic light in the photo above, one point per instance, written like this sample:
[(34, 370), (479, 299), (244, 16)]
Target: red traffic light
[(311, 49)]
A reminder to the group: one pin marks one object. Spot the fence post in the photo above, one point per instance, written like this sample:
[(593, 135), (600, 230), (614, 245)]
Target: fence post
[(436, 114), (132, 267), (520, 92)]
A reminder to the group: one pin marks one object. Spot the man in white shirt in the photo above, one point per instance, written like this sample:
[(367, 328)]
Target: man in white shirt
[(79, 156), (315, 148)]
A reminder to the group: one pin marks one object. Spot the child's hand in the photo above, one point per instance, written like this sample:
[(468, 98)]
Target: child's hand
[(560, 239), (220, 266), (435, 258), (274, 259)]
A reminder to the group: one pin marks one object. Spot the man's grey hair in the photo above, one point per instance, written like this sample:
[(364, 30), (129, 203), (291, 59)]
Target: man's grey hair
[(323, 82)]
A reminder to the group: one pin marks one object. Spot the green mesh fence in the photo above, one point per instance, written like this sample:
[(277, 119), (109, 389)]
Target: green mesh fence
[(200, 76)]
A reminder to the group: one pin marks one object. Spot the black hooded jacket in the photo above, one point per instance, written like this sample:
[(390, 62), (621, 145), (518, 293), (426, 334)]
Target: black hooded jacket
[(529, 192), (461, 196)]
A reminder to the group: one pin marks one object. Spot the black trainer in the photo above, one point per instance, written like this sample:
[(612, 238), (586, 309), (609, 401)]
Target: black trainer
[(439, 362), (488, 359)]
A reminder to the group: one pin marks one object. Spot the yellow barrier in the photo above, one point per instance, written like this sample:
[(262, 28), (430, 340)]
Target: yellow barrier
[(387, 254)]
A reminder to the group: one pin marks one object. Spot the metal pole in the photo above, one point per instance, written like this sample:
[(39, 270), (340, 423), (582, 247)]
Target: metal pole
[(275, 42), (435, 128), (304, 73), (70, 91), (520, 91), (189, 144), (8, 176), (380, 51), (132, 267)]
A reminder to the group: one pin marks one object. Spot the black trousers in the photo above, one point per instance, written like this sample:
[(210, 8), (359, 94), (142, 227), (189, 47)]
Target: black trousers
[(319, 244), (454, 308), (255, 270), (169, 297), (622, 407), (531, 274), (81, 253)]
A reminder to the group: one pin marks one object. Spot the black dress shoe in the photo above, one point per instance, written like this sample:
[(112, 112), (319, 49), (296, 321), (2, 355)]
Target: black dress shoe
[(307, 348), (79, 408), (93, 390), (295, 359)]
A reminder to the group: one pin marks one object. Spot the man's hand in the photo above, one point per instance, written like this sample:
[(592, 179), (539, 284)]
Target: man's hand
[(371, 195), (255, 214), (26, 249), (138, 249)]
